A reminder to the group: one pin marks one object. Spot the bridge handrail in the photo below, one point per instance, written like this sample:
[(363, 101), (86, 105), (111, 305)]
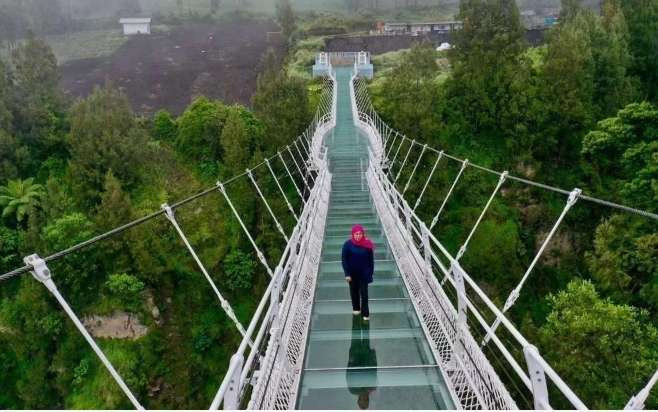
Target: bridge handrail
[(236, 378), (448, 273)]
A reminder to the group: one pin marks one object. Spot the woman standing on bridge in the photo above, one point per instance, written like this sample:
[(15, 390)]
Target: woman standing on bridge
[(358, 265)]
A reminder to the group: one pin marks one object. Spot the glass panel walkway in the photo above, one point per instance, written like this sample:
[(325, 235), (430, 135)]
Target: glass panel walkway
[(383, 363)]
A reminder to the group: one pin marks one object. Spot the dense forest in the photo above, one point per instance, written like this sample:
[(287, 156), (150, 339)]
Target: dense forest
[(70, 170), (579, 111)]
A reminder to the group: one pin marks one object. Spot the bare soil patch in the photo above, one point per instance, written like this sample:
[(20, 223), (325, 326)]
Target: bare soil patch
[(120, 325), (167, 70)]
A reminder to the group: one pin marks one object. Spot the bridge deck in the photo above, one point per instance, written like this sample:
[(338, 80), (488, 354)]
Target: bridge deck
[(384, 363)]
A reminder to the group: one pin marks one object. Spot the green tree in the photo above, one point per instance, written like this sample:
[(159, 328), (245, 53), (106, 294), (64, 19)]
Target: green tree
[(38, 100), (14, 156), (239, 268), (285, 17), (126, 288), (623, 153), (164, 126), (237, 144), (613, 87), (6, 91), (18, 196), (568, 89), (199, 131), (487, 91), (624, 262), (281, 102), (38, 118), (10, 242), (74, 272), (642, 20), (409, 96), (622, 156), (605, 350), (115, 208), (104, 136)]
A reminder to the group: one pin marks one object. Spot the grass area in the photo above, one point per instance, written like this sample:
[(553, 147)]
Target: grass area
[(387, 61), (94, 387), (91, 44), (86, 44), (386, 10), (537, 55), (384, 63), (302, 57)]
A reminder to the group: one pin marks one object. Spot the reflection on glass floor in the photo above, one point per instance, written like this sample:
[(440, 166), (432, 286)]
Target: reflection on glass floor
[(383, 363)]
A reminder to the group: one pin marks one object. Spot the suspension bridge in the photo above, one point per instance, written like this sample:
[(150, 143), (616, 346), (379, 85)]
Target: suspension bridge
[(431, 342)]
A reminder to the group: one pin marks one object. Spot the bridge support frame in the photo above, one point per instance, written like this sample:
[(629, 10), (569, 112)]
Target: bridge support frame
[(232, 396), (537, 378)]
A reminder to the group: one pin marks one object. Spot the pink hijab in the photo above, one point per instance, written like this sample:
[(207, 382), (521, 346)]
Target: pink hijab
[(364, 242)]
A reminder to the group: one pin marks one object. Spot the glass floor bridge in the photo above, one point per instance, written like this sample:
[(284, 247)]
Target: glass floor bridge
[(383, 363)]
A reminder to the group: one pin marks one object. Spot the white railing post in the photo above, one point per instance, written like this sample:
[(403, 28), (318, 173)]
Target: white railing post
[(42, 273), (276, 288), (427, 251), (232, 395), (462, 306), (407, 216), (537, 378)]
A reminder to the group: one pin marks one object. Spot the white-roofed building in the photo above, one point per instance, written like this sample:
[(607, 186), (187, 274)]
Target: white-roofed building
[(136, 25)]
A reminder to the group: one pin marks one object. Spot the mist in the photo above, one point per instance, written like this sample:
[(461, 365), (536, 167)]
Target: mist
[(47, 17)]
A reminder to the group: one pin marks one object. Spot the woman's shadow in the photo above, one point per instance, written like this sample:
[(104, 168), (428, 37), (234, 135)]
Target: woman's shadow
[(363, 380)]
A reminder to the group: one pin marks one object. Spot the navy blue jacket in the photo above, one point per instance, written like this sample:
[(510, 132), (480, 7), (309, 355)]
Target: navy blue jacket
[(358, 262)]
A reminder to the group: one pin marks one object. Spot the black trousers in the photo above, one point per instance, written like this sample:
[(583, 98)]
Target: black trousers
[(359, 295)]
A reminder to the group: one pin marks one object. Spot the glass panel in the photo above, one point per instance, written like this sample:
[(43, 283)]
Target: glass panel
[(393, 314), (361, 347), (381, 289), (399, 388)]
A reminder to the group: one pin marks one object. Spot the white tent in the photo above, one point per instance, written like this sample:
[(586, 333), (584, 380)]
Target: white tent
[(444, 46), (136, 25)]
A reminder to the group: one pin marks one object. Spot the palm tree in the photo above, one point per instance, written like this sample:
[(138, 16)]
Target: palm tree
[(18, 196)]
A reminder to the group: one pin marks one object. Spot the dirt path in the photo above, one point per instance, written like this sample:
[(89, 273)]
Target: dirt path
[(167, 70)]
